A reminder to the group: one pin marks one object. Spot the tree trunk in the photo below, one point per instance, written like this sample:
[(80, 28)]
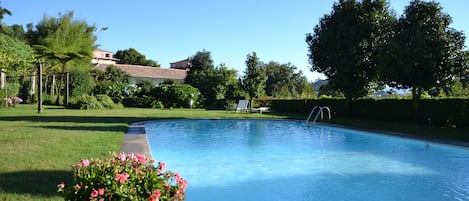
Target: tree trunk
[(52, 90), (348, 106), (44, 84), (32, 90), (61, 83), (59, 89), (416, 95), (39, 88)]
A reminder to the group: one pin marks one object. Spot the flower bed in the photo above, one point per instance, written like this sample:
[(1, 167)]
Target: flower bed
[(13, 101), (123, 177)]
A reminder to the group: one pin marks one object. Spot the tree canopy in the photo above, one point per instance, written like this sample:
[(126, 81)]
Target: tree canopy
[(228, 84), (284, 81), (15, 55), (254, 78), (346, 44), (14, 31), (216, 84), (202, 76), (425, 52), (63, 39), (133, 57), (59, 41), (3, 12)]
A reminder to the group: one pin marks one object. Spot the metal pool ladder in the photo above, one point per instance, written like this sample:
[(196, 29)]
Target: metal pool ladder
[(320, 112)]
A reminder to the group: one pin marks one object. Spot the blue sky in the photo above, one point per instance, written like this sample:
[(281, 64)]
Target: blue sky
[(171, 30)]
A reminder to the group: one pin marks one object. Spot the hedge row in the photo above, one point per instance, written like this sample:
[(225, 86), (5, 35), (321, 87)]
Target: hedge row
[(441, 112)]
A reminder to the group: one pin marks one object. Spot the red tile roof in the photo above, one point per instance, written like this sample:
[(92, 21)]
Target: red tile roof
[(148, 72)]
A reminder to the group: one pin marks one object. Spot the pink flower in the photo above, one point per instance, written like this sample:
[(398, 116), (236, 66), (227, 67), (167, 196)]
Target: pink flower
[(183, 184), (101, 191), (17, 100), (61, 185), (155, 196), (122, 157), (122, 177), (161, 166), (140, 159), (139, 172), (102, 199), (77, 186), (94, 193), (9, 100), (177, 177), (85, 162)]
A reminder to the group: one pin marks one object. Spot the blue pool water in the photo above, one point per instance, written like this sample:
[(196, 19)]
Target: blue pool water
[(276, 160)]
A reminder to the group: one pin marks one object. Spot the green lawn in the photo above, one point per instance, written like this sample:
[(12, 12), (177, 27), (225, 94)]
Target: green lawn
[(38, 150)]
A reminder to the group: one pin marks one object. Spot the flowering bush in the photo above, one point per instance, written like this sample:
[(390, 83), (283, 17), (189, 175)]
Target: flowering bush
[(123, 177), (13, 101)]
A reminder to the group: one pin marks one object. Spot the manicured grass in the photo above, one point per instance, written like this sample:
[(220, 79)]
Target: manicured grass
[(38, 150)]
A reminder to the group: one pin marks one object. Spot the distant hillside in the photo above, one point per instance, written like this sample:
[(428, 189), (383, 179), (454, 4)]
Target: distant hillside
[(318, 83)]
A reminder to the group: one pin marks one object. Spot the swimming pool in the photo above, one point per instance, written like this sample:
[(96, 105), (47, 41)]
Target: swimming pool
[(288, 160)]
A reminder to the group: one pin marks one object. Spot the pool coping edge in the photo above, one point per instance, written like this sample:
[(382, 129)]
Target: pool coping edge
[(136, 140)]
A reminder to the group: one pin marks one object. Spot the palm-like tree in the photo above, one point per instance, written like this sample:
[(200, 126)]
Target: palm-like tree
[(4, 11), (64, 40)]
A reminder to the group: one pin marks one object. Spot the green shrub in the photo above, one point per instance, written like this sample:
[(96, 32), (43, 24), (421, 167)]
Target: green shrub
[(441, 112), (106, 101), (80, 82), (143, 101), (117, 91), (157, 104), (176, 95), (119, 106), (88, 102)]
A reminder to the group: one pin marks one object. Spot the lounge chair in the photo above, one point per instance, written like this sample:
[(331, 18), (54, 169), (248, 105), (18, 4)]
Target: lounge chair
[(242, 106), (261, 109)]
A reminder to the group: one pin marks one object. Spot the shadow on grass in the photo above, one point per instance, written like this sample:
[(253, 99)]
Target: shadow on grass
[(36, 183), (78, 119), (88, 128)]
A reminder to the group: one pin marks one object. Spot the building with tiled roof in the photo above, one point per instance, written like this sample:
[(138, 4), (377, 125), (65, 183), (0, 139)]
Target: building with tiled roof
[(185, 64), (154, 75), (101, 56)]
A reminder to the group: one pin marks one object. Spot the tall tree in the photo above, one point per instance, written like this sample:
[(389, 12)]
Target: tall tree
[(133, 57), (346, 44), (216, 84), (227, 83), (15, 55), (284, 81), (63, 39), (425, 51), (202, 75), (254, 78)]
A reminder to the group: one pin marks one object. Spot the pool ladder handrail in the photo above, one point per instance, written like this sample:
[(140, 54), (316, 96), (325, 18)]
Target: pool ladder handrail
[(320, 112)]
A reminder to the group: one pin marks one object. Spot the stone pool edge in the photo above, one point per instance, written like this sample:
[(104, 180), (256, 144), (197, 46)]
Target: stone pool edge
[(136, 140)]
